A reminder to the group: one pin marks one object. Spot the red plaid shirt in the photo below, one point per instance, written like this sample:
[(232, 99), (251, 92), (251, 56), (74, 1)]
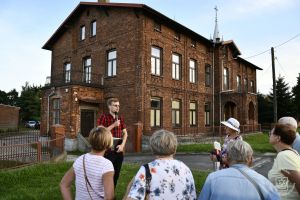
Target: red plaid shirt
[(107, 119)]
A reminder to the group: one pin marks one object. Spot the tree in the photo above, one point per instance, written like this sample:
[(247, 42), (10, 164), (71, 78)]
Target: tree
[(284, 98), (10, 98), (265, 109), (30, 102), (296, 100)]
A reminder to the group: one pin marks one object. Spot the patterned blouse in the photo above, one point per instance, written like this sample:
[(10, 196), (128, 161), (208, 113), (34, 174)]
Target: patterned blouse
[(171, 179)]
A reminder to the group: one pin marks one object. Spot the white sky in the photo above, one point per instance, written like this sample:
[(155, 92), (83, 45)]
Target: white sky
[(254, 25)]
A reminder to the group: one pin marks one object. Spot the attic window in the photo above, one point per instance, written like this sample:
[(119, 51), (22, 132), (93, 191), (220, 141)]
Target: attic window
[(82, 32), (193, 43), (177, 36), (157, 26)]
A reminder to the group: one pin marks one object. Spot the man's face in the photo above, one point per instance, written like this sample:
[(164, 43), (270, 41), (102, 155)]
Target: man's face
[(114, 107)]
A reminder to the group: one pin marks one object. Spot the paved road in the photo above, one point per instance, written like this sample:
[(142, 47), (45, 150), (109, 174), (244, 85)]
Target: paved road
[(201, 161)]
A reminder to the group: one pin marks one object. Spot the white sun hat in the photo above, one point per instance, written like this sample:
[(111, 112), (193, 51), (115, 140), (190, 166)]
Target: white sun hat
[(232, 123)]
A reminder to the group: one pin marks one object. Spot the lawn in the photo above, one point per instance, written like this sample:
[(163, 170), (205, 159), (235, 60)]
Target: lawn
[(259, 142), (41, 181)]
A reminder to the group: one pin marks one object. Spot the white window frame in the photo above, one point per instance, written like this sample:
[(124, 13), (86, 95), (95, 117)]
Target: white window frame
[(112, 63)]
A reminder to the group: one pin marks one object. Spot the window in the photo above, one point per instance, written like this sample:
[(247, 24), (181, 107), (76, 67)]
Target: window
[(177, 36), (176, 68), (155, 120), (157, 26), (246, 84), (156, 61), (193, 71), (193, 43), (67, 72), (93, 28), (225, 79), (252, 86), (207, 75), (56, 111), (238, 83), (87, 70), (193, 113), (176, 113), (112, 63), (82, 33), (207, 114)]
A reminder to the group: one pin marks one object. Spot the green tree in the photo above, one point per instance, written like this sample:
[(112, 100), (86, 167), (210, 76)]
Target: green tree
[(265, 109), (284, 98), (30, 102), (296, 100), (10, 98)]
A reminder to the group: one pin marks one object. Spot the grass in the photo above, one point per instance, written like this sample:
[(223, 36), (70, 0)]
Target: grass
[(41, 181), (259, 142)]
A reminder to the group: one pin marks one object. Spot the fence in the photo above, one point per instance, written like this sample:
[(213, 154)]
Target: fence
[(25, 148)]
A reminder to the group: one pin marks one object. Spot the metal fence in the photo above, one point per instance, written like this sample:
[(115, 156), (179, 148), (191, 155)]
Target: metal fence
[(25, 148)]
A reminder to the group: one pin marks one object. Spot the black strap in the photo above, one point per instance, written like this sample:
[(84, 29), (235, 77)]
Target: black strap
[(87, 182), (148, 178), (291, 150), (252, 181)]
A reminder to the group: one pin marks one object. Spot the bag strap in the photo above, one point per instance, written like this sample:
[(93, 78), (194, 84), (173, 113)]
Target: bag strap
[(87, 182), (252, 181), (148, 178)]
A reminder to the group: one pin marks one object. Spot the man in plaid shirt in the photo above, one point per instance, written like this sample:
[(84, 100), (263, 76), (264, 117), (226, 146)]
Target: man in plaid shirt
[(117, 127)]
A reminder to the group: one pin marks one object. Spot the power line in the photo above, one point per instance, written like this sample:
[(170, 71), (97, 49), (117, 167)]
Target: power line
[(274, 46)]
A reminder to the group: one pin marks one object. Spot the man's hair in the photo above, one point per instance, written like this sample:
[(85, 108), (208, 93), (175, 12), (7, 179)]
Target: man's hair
[(112, 100), (239, 151), (100, 138), (163, 142), (286, 132)]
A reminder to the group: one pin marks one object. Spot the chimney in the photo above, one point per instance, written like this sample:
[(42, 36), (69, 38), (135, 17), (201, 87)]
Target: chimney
[(103, 1)]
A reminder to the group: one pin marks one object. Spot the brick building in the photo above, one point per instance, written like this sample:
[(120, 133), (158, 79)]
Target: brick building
[(165, 75), (9, 117)]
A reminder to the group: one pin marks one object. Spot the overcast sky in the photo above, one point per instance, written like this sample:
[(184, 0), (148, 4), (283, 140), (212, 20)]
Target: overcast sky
[(254, 25)]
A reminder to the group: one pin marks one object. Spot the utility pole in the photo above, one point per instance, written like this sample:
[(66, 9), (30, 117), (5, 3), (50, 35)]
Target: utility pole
[(274, 86)]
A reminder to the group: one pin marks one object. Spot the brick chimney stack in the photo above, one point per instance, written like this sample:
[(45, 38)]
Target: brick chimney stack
[(103, 1)]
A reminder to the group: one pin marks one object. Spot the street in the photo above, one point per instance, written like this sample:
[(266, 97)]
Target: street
[(201, 161)]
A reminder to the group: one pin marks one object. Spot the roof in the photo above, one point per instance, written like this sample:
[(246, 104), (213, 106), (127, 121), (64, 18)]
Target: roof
[(146, 10), (233, 46), (248, 63)]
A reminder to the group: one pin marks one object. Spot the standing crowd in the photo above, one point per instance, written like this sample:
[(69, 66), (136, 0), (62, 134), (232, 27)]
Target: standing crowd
[(96, 173)]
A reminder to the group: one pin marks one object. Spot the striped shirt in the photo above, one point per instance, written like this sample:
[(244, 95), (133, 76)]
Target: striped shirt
[(107, 119), (95, 167)]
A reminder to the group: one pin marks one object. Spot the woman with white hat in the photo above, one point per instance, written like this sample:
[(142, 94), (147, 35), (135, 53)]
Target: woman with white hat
[(232, 130)]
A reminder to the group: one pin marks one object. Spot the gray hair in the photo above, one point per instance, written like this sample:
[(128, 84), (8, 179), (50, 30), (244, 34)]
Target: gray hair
[(163, 142), (288, 120), (239, 151)]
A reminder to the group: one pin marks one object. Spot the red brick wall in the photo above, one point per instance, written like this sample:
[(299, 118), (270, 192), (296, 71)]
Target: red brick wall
[(9, 117)]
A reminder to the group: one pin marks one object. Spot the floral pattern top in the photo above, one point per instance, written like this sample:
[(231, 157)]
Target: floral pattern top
[(171, 179)]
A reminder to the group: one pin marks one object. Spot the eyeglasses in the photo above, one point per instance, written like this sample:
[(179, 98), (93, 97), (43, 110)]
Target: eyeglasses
[(115, 105)]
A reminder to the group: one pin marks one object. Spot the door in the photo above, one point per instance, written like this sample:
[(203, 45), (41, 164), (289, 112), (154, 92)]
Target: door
[(87, 122)]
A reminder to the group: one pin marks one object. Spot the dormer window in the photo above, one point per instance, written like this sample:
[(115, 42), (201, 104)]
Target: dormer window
[(157, 26)]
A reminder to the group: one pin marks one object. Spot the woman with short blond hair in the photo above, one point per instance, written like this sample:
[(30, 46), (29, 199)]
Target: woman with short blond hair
[(92, 172)]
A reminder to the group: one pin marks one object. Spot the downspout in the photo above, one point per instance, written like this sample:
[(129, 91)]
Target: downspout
[(48, 110), (213, 88)]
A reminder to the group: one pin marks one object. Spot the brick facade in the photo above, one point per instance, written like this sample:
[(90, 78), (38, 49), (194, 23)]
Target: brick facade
[(129, 30), (9, 117)]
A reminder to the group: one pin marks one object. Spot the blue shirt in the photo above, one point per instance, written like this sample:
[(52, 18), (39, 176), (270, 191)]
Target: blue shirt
[(233, 185), (296, 144)]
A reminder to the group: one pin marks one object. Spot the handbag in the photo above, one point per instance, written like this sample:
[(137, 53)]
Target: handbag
[(148, 180), (253, 182), (88, 184)]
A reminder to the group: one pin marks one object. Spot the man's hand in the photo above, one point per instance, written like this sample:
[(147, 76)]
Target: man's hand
[(120, 148), (117, 123), (293, 176)]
